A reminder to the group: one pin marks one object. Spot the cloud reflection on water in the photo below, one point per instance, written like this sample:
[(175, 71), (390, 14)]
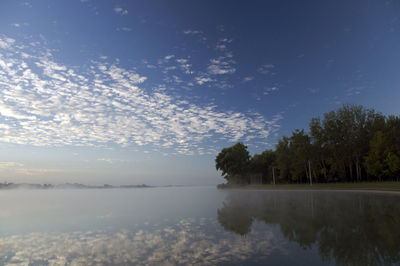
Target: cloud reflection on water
[(190, 241)]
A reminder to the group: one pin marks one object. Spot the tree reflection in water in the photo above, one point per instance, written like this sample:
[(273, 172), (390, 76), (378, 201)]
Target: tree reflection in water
[(348, 227)]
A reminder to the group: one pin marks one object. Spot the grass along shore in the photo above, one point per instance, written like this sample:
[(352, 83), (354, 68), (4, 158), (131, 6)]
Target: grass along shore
[(385, 186)]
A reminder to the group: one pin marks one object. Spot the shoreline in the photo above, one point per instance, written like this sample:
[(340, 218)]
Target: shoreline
[(377, 191), (382, 187)]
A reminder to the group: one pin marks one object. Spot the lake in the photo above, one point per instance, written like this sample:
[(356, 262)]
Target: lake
[(198, 225)]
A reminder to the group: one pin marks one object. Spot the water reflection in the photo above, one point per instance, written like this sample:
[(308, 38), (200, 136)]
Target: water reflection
[(347, 228), (188, 242), (200, 226)]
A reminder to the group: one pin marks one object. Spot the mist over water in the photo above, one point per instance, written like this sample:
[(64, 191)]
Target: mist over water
[(89, 209), (200, 225)]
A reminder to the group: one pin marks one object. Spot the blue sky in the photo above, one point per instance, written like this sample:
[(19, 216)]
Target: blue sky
[(129, 92)]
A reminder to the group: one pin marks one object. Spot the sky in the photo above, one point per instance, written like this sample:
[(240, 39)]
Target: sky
[(133, 92)]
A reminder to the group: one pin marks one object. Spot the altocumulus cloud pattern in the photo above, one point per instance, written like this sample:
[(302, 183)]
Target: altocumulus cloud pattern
[(44, 102)]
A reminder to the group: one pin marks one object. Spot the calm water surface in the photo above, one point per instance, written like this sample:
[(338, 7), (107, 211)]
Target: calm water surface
[(203, 225)]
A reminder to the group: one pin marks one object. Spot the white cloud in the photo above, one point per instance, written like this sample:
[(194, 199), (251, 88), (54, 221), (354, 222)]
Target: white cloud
[(168, 57), (225, 40), (6, 43), (267, 91), (108, 160), (222, 44), (43, 102), (221, 47), (181, 61), (35, 171), (352, 91), (265, 69), (124, 29), (173, 78), (18, 168), (224, 63), (10, 165), (184, 65), (202, 80), (197, 33), (192, 32), (9, 112), (247, 79), (120, 11), (221, 65)]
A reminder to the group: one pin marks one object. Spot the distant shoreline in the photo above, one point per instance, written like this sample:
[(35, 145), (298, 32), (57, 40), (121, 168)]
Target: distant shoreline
[(11, 186)]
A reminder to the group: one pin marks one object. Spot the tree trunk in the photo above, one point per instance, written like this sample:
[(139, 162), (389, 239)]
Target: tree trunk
[(344, 170), (307, 174), (273, 174), (325, 170), (358, 169), (351, 171)]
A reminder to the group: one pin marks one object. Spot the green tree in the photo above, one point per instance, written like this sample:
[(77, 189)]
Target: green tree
[(301, 150), (344, 135), (292, 157), (284, 158), (393, 163), (233, 162), (352, 143), (375, 161), (392, 131), (262, 164), (393, 136), (383, 158), (319, 151)]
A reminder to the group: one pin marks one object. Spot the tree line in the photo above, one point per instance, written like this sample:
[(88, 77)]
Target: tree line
[(351, 144)]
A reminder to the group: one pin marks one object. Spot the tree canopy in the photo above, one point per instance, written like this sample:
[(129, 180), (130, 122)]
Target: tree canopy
[(234, 163), (351, 144)]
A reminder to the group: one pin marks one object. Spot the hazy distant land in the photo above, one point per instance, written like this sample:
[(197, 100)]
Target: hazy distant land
[(65, 186)]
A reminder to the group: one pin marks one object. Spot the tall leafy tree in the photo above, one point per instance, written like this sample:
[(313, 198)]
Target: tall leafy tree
[(375, 161), (319, 151), (263, 164), (233, 162), (383, 158), (301, 151), (284, 158), (393, 136), (345, 134)]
